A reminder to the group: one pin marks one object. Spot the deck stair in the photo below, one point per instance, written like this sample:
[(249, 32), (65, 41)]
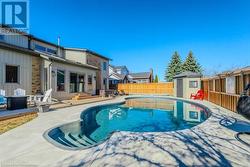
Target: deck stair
[(82, 96), (75, 141)]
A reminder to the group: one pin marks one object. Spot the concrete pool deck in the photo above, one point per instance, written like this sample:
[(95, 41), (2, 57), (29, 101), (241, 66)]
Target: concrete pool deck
[(208, 144)]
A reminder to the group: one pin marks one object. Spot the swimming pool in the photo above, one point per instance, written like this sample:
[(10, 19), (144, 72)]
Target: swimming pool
[(97, 123)]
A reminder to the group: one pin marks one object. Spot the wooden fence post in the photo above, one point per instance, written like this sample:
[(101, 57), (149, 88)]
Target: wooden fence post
[(208, 91)]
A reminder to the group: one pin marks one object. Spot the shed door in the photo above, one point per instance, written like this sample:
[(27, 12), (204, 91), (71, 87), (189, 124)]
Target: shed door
[(179, 88)]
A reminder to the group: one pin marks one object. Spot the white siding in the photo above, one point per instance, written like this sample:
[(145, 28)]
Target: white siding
[(25, 71), (68, 69), (105, 74), (78, 56)]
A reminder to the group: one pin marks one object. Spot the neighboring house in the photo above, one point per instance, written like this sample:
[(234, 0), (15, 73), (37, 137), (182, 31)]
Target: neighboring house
[(120, 74), (123, 70), (117, 74), (142, 77), (36, 65)]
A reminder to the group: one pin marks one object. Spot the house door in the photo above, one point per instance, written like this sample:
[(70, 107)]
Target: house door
[(179, 88), (81, 83)]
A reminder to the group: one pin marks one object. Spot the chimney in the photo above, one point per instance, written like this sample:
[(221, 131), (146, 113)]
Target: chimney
[(58, 40), (58, 46)]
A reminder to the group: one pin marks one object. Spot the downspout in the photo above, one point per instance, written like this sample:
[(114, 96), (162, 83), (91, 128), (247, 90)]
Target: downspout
[(50, 79)]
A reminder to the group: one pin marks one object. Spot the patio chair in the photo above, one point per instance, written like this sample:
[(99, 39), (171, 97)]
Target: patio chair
[(3, 100), (243, 108), (122, 93), (42, 101), (19, 92), (243, 105), (198, 96)]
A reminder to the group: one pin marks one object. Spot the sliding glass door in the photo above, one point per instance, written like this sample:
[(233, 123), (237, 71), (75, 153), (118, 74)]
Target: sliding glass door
[(73, 83)]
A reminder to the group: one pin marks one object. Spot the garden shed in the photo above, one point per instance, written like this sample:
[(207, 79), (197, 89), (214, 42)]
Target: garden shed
[(186, 83)]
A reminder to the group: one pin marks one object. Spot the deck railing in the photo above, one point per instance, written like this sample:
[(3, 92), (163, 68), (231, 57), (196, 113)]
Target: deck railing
[(215, 89)]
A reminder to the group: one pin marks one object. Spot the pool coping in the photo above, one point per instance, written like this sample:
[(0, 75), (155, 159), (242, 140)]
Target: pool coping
[(51, 141)]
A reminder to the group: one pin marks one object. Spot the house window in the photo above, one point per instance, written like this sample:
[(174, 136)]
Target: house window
[(104, 66), (60, 80), (11, 74), (89, 79), (193, 84), (193, 115), (40, 48), (44, 49), (51, 51)]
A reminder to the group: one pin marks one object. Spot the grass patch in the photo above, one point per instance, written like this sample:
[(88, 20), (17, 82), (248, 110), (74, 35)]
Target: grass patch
[(11, 123)]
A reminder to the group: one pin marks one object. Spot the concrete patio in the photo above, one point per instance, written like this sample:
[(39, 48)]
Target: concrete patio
[(211, 143)]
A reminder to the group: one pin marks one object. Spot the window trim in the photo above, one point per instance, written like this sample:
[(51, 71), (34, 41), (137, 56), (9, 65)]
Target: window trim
[(18, 74), (91, 80), (104, 69), (191, 86)]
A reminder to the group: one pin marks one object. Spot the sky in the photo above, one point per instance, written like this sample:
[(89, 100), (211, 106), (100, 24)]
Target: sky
[(143, 34)]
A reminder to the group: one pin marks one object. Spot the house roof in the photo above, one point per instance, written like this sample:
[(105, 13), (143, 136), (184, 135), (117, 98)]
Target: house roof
[(29, 35), (238, 71), (119, 67), (17, 48), (50, 43), (62, 60), (88, 51), (140, 75), (188, 74), (118, 76)]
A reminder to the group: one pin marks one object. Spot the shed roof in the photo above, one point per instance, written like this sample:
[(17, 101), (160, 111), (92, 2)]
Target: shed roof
[(188, 74)]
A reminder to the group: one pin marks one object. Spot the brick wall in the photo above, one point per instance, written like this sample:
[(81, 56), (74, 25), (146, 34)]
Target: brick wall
[(36, 75)]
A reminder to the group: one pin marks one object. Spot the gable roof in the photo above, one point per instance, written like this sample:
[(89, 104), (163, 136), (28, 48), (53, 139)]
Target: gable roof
[(118, 76), (140, 75), (188, 74)]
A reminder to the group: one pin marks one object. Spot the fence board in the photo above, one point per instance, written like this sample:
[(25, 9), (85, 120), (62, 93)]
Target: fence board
[(147, 88), (228, 101)]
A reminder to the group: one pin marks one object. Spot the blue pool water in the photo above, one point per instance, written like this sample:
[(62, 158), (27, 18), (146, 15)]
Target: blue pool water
[(135, 115)]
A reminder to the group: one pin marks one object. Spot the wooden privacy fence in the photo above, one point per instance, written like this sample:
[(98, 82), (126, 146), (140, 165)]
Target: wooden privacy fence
[(225, 93), (147, 88)]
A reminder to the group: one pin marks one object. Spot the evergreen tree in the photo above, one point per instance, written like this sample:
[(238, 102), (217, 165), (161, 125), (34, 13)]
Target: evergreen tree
[(156, 79), (174, 67), (191, 64)]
